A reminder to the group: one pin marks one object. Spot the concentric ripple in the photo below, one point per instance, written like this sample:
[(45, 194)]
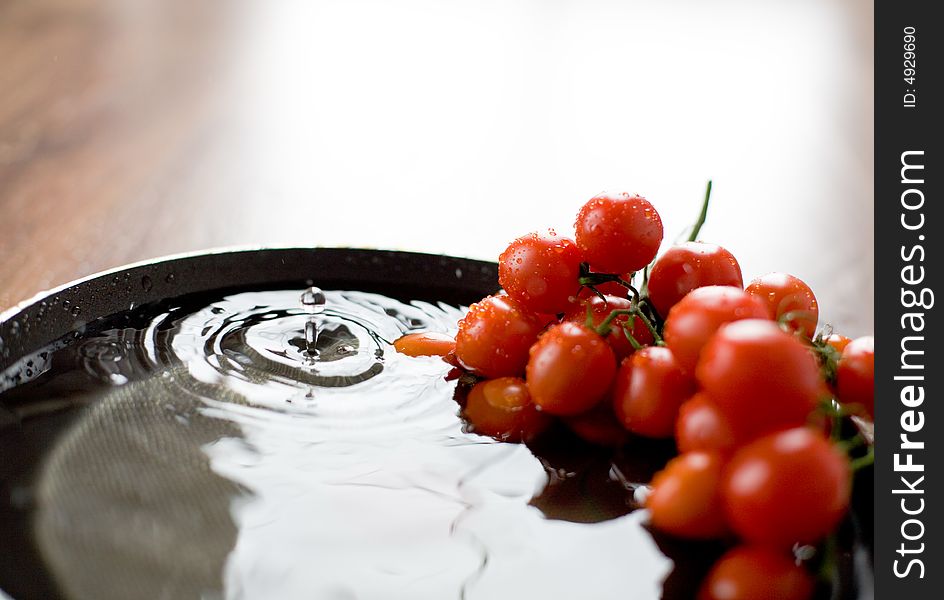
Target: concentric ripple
[(356, 476)]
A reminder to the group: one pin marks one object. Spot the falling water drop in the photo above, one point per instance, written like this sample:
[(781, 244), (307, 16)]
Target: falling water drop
[(313, 299)]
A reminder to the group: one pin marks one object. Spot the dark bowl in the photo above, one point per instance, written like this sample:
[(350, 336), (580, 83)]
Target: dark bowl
[(51, 319)]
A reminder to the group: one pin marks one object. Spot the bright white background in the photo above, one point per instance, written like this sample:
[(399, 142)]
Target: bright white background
[(453, 127), (131, 129)]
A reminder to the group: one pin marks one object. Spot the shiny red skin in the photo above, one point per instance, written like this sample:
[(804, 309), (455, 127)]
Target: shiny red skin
[(502, 408), (685, 498), (688, 266), (702, 426), (650, 387), (761, 378), (694, 319), (785, 488), (541, 271), (600, 309), (837, 342), (757, 573), (855, 374), (570, 369), (618, 233), (783, 293), (495, 336)]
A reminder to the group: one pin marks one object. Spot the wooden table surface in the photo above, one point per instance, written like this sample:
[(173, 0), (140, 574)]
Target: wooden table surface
[(131, 129), (102, 138)]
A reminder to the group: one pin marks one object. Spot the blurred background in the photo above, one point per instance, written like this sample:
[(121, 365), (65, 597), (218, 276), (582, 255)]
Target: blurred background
[(131, 129)]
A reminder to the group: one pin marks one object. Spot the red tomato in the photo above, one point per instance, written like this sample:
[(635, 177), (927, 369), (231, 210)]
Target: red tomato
[(427, 343), (650, 387), (701, 426), (688, 266), (570, 369), (692, 322), (541, 271), (785, 294), (495, 335), (760, 377), (855, 375), (685, 499), (618, 233), (756, 573), (598, 426), (600, 309), (502, 408), (837, 342), (788, 487)]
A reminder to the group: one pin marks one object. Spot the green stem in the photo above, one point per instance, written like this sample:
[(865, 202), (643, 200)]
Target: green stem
[(702, 216), (852, 443), (588, 320), (636, 345), (863, 461), (604, 328), (652, 328), (828, 566)]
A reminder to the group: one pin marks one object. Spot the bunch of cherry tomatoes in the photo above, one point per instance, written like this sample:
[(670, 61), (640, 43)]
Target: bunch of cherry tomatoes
[(598, 332)]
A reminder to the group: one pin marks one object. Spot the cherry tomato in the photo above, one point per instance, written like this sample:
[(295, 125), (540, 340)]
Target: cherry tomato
[(855, 375), (598, 426), (570, 369), (495, 335), (786, 295), (688, 266), (788, 487), (618, 233), (502, 408), (837, 342), (650, 387), (600, 309), (756, 573), (685, 499), (541, 271), (427, 343), (760, 377), (692, 322), (701, 426)]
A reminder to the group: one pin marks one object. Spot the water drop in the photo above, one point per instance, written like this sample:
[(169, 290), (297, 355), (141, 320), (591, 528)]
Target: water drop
[(76, 310), (146, 283), (170, 278), (313, 300)]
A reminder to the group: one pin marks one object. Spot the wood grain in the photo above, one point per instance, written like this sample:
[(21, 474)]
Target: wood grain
[(104, 117)]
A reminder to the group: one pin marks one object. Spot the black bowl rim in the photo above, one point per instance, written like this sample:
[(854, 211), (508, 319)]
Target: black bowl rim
[(54, 313)]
